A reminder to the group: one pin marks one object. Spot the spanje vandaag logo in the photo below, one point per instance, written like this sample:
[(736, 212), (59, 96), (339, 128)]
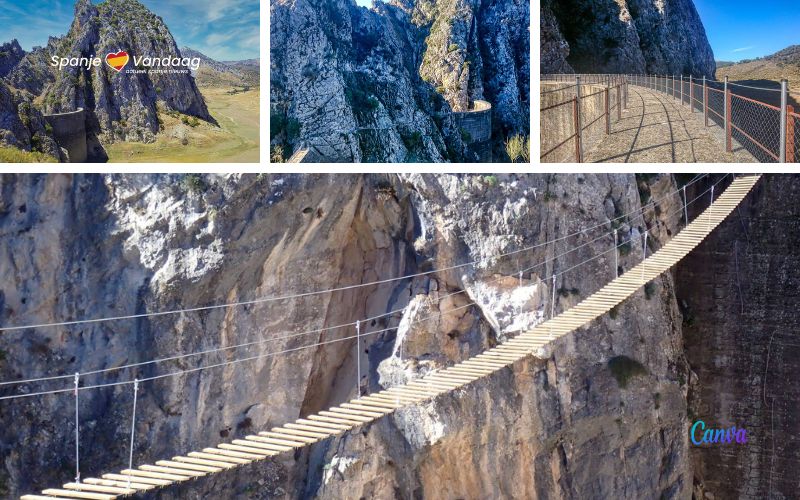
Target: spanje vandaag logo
[(119, 60)]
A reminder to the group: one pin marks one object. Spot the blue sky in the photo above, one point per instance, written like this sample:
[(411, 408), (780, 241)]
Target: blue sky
[(745, 29), (221, 29)]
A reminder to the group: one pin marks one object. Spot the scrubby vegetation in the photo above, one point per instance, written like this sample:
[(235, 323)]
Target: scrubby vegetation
[(624, 369), (14, 155), (194, 183), (518, 147)]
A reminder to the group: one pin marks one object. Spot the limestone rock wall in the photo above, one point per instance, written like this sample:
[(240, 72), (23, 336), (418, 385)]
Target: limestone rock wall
[(624, 36), (560, 426), (122, 106), (738, 290), (380, 84), (23, 126)]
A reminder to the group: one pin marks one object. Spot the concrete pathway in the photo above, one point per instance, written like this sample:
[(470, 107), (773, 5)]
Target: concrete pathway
[(657, 128)]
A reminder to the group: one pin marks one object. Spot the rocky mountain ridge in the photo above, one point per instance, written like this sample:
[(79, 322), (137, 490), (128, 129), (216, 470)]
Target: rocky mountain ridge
[(10, 54), (624, 36), (212, 72)]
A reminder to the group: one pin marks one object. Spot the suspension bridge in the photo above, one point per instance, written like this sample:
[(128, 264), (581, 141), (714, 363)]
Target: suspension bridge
[(364, 410)]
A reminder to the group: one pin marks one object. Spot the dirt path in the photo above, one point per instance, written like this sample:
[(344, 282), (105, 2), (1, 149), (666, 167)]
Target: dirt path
[(657, 128)]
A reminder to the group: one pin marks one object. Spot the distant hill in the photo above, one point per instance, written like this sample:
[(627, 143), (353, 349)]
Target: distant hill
[(213, 73), (767, 71), (723, 64)]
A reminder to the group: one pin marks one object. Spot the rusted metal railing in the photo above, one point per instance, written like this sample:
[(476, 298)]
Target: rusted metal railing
[(768, 132), (573, 116)]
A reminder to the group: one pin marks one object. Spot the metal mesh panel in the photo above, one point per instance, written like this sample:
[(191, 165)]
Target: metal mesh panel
[(612, 99), (558, 127), (716, 107), (757, 127), (794, 154), (592, 110), (697, 98)]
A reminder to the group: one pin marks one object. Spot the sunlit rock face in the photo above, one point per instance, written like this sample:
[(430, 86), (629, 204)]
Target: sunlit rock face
[(381, 84)]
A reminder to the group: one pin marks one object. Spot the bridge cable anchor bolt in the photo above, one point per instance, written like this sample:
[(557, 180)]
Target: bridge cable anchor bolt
[(77, 431)]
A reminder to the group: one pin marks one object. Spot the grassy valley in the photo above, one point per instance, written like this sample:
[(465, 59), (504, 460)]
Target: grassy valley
[(767, 72), (186, 139)]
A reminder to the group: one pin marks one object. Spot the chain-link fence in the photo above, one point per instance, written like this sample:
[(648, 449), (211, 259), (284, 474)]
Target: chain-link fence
[(793, 140), (577, 112), (752, 118), (755, 126)]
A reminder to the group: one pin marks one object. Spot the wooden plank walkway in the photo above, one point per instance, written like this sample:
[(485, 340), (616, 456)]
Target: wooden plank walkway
[(360, 411)]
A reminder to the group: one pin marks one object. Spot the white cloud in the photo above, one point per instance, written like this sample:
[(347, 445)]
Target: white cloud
[(742, 49)]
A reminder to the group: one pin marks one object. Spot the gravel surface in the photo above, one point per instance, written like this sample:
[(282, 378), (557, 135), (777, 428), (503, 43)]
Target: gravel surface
[(657, 128)]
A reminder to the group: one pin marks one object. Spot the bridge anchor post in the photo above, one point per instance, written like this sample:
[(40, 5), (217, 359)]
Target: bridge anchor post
[(784, 119), (577, 120), (705, 101), (728, 131), (358, 358), (77, 428), (790, 151), (644, 254), (616, 255), (553, 304)]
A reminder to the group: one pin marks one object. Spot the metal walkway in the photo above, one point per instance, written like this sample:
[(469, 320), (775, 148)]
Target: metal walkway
[(340, 419)]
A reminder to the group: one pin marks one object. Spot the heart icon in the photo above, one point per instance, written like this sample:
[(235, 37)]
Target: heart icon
[(118, 60)]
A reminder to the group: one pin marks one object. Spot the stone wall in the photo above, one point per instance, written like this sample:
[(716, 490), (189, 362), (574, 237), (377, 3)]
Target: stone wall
[(477, 122), (69, 130), (739, 294)]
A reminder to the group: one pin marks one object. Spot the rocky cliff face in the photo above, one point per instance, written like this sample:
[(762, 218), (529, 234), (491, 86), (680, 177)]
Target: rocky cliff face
[(123, 104), (625, 36), (119, 106), (739, 293), (34, 72), (380, 84), (10, 54), (91, 246), (23, 126)]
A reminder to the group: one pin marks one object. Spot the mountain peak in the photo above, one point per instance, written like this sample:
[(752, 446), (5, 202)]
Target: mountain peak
[(10, 54), (123, 103)]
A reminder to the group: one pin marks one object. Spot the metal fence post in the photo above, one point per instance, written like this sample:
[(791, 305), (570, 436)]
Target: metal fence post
[(784, 118), (578, 129), (691, 94), (705, 101), (789, 134), (608, 115), (619, 102), (681, 90), (728, 145)]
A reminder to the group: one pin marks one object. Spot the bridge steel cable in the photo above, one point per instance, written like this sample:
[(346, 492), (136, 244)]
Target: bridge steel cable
[(321, 343), (364, 410), (318, 292), (639, 212)]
